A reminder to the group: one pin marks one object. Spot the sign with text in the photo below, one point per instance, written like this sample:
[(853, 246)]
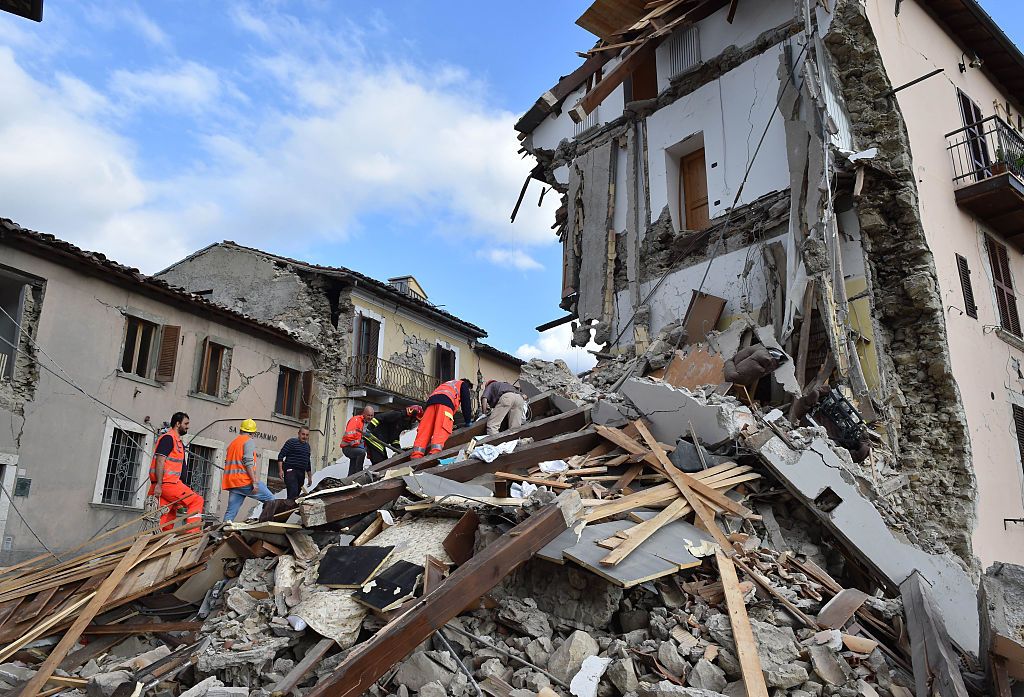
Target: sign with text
[(30, 9), (261, 436)]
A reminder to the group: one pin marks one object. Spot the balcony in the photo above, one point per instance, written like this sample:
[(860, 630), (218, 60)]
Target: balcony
[(387, 379), (988, 173)]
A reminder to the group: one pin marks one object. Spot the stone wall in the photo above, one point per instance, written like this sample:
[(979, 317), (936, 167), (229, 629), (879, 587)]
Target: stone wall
[(925, 409)]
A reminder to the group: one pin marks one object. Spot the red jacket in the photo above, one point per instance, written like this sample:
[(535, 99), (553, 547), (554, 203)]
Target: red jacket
[(353, 437)]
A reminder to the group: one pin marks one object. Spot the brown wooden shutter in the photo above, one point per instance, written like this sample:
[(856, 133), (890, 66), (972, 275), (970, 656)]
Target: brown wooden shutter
[(306, 398), (204, 372), (965, 284), (1006, 301), (168, 357), (1018, 425)]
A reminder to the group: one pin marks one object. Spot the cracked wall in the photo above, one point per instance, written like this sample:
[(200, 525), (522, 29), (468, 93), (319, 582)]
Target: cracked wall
[(14, 393), (924, 399), (415, 351)]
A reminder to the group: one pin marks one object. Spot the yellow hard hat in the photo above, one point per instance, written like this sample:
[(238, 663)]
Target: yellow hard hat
[(248, 426)]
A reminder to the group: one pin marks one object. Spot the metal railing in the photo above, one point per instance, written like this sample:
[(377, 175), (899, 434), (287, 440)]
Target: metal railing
[(370, 371), (591, 120), (985, 149)]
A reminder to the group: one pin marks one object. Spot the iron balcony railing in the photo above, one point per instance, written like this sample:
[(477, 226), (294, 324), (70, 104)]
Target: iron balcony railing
[(370, 371), (985, 149)]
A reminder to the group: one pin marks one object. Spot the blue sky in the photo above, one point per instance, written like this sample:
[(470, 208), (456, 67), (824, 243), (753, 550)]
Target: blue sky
[(374, 135)]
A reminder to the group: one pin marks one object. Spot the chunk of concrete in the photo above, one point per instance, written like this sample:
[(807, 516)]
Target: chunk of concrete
[(820, 470), (524, 616), (672, 409), (668, 689), (104, 684), (707, 676), (829, 666), (420, 669), (622, 674), (585, 682), (669, 657), (201, 688), (433, 689), (568, 658)]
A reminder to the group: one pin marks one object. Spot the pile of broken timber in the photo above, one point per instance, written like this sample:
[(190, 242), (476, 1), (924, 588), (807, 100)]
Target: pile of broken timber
[(45, 596)]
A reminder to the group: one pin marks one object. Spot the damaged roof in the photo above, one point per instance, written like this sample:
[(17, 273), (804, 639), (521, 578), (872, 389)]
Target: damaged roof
[(498, 353), (356, 278), (58, 251)]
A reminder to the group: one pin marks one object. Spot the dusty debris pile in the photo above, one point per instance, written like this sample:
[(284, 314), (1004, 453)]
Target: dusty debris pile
[(673, 537)]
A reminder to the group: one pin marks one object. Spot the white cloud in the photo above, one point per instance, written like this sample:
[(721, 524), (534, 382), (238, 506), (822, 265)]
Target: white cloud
[(515, 258), (555, 344), (327, 137), (188, 87), (134, 17)]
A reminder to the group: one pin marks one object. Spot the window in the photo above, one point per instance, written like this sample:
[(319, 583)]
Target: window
[(294, 392), (138, 345), (643, 81), (368, 336), (199, 464), (1006, 301), (12, 300), (121, 477), (977, 145), (965, 284), (1018, 425), (444, 363), (693, 190), (214, 369)]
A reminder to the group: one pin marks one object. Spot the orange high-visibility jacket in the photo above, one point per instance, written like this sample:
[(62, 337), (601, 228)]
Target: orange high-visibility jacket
[(235, 474), (452, 390), (173, 462), (353, 437)]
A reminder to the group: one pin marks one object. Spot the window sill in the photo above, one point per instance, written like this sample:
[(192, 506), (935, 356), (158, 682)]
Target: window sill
[(210, 398), (1014, 341), (116, 507), (137, 378), (290, 419)]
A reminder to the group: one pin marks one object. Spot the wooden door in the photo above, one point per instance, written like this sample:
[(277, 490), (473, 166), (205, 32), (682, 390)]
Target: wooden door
[(693, 190)]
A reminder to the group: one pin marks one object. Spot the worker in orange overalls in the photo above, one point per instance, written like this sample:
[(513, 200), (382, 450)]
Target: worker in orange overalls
[(165, 476), (352, 444), (240, 479), (438, 420)]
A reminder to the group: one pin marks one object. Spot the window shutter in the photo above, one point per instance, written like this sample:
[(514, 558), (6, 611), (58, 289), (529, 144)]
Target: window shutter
[(1018, 425), (168, 353), (306, 398), (1006, 300), (204, 371), (965, 284)]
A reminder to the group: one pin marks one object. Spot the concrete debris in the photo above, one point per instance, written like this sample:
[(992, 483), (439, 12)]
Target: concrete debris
[(707, 676), (104, 684), (568, 658), (524, 616), (425, 667)]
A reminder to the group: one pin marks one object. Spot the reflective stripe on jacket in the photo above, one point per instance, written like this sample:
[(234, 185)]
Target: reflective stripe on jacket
[(452, 390), (353, 437), (173, 462), (235, 474)]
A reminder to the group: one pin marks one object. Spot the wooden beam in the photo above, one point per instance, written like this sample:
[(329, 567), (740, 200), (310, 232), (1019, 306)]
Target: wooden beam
[(732, 11), (638, 533), (613, 79), (742, 632), (371, 659), (86, 616), (142, 628), (540, 481), (374, 496)]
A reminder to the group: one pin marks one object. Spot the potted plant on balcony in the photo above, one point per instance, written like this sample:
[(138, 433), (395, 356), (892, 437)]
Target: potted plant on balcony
[(999, 166)]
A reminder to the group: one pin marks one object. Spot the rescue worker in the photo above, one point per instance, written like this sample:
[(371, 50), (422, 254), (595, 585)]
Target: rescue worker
[(165, 476), (502, 399), (438, 420), (352, 443), (240, 480), (385, 429)]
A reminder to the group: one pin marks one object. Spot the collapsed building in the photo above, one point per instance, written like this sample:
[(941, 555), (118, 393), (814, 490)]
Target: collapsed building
[(846, 173)]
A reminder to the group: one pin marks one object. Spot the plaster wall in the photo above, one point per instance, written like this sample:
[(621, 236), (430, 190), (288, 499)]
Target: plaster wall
[(730, 114), (984, 365), (59, 440), (726, 280)]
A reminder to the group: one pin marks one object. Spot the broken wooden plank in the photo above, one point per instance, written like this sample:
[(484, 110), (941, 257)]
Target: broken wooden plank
[(460, 541), (838, 611), (369, 660), (540, 481), (95, 604), (936, 667), (313, 656), (742, 631), (124, 629), (636, 535)]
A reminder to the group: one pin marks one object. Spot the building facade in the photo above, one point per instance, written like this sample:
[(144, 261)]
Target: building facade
[(851, 173), (382, 344), (94, 359)]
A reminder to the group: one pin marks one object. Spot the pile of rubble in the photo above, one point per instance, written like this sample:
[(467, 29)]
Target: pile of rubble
[(671, 537)]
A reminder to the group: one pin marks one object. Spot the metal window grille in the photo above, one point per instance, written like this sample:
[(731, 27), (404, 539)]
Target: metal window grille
[(123, 463), (199, 465), (587, 123), (683, 51)]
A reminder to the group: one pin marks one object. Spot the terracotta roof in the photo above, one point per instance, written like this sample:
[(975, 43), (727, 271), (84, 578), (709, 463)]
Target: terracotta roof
[(390, 291), (60, 252), (498, 353)]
